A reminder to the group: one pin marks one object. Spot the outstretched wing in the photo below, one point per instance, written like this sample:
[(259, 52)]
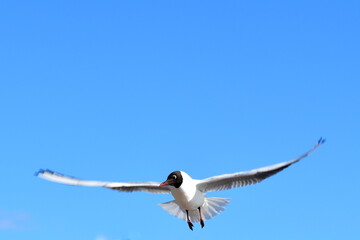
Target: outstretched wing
[(151, 187), (241, 179)]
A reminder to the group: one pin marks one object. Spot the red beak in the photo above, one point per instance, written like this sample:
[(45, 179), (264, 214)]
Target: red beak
[(164, 184)]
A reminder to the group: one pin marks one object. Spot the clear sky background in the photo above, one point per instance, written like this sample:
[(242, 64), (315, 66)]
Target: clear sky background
[(133, 90)]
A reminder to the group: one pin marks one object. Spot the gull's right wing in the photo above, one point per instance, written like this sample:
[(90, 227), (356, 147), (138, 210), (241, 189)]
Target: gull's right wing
[(151, 187), (241, 179)]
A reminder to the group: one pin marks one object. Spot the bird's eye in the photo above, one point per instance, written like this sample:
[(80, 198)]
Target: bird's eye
[(174, 176)]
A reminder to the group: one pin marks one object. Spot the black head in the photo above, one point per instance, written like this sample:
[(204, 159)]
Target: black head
[(174, 179)]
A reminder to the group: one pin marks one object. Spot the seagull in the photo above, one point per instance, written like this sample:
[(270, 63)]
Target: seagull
[(190, 204)]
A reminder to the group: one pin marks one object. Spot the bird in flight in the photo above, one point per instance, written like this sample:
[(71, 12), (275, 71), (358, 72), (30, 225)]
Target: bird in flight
[(190, 204)]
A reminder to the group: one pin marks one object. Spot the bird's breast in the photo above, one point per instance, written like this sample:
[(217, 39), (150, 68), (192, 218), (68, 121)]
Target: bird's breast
[(188, 197)]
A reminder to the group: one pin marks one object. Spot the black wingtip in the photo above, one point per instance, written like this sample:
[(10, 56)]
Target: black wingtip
[(321, 140), (41, 171)]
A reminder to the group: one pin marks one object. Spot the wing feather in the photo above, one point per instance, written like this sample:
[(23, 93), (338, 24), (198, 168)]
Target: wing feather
[(241, 179), (151, 187)]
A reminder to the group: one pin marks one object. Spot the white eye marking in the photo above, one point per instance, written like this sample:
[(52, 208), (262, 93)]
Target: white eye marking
[(174, 176)]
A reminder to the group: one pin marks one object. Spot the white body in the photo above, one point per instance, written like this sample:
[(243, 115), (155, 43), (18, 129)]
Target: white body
[(187, 196)]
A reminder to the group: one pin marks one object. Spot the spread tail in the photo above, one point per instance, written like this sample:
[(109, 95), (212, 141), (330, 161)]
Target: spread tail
[(211, 207)]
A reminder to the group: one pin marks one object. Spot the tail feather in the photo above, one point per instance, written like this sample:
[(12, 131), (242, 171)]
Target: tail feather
[(174, 209), (211, 207)]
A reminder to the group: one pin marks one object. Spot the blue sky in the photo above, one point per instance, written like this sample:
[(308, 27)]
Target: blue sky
[(133, 90)]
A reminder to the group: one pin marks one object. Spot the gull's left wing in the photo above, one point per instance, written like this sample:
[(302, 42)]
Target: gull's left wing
[(241, 179), (151, 187)]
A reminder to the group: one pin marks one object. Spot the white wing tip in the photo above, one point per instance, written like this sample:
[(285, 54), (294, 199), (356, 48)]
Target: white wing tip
[(57, 177), (43, 172)]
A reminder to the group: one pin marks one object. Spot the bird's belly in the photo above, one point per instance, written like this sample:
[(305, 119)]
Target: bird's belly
[(188, 200)]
